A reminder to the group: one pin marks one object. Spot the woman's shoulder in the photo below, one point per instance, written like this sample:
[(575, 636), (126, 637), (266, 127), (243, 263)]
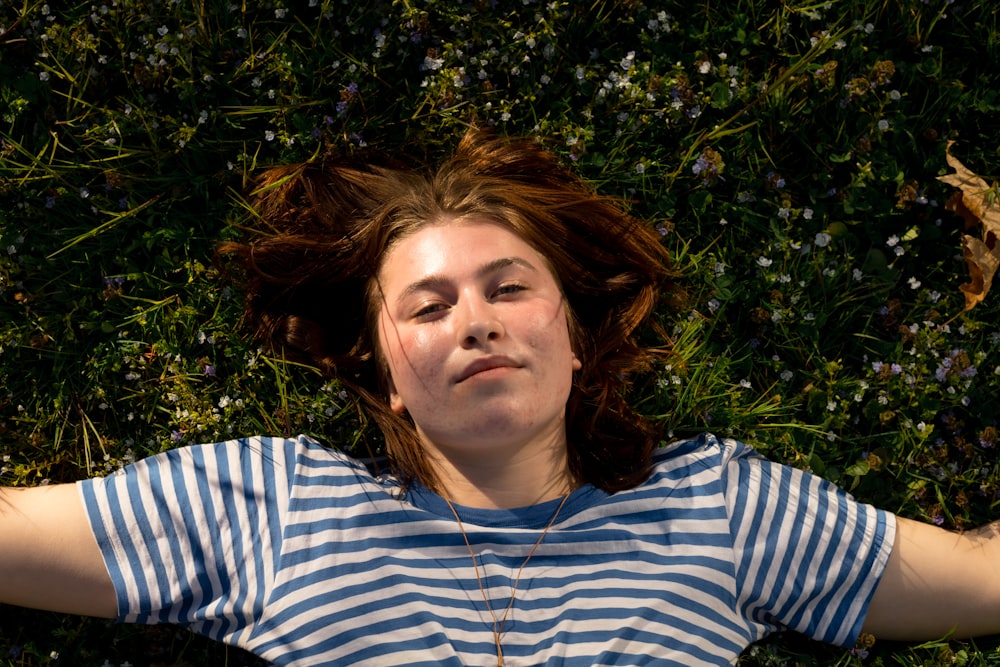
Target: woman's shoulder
[(304, 456), (702, 449)]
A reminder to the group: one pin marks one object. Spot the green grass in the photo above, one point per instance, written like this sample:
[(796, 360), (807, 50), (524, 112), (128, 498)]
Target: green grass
[(788, 151)]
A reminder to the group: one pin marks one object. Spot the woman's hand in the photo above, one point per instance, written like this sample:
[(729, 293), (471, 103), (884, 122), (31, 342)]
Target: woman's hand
[(938, 583), (49, 558)]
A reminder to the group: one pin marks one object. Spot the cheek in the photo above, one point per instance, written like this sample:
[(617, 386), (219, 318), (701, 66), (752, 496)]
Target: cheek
[(411, 356)]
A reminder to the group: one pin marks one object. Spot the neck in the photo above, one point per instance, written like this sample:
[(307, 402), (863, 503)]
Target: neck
[(494, 480)]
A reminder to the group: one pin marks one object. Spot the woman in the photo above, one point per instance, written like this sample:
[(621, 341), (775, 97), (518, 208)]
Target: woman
[(486, 314)]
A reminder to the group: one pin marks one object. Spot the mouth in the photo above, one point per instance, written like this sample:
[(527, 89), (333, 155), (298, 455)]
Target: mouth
[(485, 364)]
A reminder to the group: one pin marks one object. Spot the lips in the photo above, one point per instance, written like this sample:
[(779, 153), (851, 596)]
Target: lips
[(485, 364)]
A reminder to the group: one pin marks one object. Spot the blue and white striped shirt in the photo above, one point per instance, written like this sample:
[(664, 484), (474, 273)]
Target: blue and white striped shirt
[(295, 552)]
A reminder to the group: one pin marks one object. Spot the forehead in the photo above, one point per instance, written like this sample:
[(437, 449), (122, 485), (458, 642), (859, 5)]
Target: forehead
[(453, 248)]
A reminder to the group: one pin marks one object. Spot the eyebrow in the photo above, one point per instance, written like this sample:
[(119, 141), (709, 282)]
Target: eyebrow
[(435, 281)]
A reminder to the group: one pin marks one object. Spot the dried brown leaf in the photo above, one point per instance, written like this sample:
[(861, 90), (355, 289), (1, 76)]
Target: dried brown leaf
[(983, 262), (976, 203), (977, 196)]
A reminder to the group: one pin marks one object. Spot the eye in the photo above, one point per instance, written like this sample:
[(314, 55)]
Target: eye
[(429, 309), (509, 288)]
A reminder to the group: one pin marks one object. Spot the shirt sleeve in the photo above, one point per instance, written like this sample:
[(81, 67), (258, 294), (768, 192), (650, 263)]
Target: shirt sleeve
[(808, 556), (190, 536)]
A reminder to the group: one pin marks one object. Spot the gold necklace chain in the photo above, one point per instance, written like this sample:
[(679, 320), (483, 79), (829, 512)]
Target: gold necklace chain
[(499, 623)]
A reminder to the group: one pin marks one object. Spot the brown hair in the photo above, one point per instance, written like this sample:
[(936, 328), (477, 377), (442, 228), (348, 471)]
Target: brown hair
[(312, 292)]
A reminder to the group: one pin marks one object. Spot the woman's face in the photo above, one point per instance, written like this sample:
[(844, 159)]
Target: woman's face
[(473, 331)]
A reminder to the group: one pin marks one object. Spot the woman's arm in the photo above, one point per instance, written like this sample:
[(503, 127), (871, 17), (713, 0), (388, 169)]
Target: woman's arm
[(49, 558), (938, 583)]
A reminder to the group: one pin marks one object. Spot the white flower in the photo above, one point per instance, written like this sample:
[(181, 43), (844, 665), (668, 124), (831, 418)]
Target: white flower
[(432, 63), (822, 240), (764, 261), (883, 125)]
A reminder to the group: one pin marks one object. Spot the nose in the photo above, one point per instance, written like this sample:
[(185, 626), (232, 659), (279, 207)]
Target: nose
[(480, 322)]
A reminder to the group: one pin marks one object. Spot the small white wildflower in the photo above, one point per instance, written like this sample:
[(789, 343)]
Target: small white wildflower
[(883, 125), (787, 375), (913, 282), (807, 213), (822, 240), (764, 261), (745, 384)]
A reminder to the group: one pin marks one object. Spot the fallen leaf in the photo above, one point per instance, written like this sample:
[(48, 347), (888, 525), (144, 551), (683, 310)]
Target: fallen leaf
[(983, 262), (976, 202), (976, 192)]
